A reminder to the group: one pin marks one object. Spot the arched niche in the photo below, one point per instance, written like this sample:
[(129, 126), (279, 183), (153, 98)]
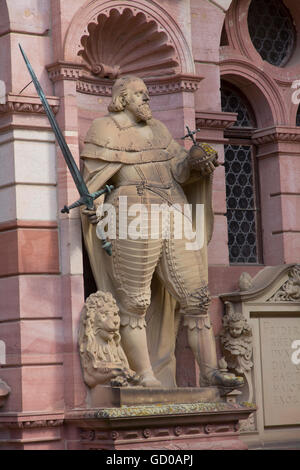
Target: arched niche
[(93, 17)]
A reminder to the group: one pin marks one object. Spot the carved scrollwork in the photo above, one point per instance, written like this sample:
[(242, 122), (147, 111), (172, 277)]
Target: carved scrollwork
[(290, 290)]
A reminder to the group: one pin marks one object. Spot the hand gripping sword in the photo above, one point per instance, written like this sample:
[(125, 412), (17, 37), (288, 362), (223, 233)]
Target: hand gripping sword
[(86, 198)]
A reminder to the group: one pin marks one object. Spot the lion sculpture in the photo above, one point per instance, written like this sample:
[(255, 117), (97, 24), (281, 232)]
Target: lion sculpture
[(102, 357)]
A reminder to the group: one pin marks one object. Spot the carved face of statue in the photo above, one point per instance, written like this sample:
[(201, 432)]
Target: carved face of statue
[(107, 324), (137, 100), (236, 329)]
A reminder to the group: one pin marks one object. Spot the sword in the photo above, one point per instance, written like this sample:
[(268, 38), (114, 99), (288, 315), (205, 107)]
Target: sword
[(86, 198)]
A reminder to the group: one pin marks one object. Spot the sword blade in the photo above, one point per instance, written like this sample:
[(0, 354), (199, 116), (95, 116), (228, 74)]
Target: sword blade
[(76, 175)]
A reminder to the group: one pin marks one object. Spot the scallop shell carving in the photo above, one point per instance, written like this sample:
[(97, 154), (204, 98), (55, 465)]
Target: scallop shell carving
[(124, 43)]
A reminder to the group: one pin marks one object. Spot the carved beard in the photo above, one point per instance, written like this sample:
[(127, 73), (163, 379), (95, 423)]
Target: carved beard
[(142, 112)]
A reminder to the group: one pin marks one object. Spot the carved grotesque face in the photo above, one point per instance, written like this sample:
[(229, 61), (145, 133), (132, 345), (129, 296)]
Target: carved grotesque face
[(236, 329), (106, 324), (137, 100)]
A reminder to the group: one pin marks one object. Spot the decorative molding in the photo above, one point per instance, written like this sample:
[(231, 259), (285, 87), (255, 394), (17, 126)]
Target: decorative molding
[(276, 135), (31, 420), (65, 71), (290, 290), (27, 104), (173, 84), (36, 224), (216, 428), (99, 88), (45, 423), (89, 84), (215, 120), (169, 432)]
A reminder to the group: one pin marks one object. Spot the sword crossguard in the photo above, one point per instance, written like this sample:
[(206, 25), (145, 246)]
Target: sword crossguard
[(87, 199)]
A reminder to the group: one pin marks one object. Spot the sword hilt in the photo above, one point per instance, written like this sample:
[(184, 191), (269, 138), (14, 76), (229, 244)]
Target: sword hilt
[(88, 200)]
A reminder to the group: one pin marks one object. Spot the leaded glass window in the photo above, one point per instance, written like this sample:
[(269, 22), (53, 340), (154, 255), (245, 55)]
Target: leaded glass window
[(241, 197), (272, 30), (298, 117), (232, 102), (240, 204)]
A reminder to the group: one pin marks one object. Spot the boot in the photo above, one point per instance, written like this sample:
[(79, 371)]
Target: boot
[(134, 343), (202, 342)]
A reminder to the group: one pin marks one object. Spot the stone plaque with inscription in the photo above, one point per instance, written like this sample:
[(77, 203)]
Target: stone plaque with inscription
[(270, 302), (280, 377)]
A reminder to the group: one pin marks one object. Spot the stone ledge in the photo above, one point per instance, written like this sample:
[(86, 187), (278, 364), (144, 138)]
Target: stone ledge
[(106, 396), (187, 426)]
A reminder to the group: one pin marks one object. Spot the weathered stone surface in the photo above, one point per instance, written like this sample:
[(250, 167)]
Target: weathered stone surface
[(280, 377), (129, 396)]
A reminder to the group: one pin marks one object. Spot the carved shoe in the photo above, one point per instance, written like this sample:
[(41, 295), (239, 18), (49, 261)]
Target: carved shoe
[(147, 379), (224, 379)]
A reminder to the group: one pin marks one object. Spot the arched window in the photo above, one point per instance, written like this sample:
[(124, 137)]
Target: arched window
[(272, 30), (241, 193), (298, 117)]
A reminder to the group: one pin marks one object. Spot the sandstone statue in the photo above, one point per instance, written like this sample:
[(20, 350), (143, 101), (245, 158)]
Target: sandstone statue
[(236, 340), (152, 275), (102, 357), (237, 345)]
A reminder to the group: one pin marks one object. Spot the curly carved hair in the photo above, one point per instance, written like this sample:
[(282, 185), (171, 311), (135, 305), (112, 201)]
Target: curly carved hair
[(120, 91), (234, 317)]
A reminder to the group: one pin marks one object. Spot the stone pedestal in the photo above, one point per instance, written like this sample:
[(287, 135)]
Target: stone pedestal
[(193, 426), (106, 396)]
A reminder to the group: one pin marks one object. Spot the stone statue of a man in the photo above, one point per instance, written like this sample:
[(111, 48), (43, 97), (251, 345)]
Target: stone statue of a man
[(136, 153)]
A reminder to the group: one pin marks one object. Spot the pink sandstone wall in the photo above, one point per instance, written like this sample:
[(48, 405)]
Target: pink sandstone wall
[(41, 273)]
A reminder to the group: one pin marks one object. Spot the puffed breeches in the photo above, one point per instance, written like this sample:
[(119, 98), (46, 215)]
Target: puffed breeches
[(134, 263)]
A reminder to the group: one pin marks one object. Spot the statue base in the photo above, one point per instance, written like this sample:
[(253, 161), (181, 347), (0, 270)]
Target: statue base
[(107, 396), (180, 419)]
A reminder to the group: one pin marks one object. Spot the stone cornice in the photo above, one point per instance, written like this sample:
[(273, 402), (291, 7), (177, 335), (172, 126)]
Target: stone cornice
[(66, 71), (280, 134), (215, 120), (31, 420), (27, 104), (89, 84)]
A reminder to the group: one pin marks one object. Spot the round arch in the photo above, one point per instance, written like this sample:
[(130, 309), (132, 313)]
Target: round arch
[(260, 90), (89, 13)]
